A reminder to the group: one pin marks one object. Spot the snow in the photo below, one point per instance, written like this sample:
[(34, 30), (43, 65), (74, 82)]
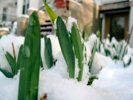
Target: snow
[(58, 88), (114, 81), (8, 88), (99, 63), (91, 41)]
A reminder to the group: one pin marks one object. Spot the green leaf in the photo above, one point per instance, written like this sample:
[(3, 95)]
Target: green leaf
[(128, 63), (107, 52), (30, 65), (115, 57), (92, 56), (91, 80), (20, 58), (53, 16), (125, 49), (12, 62), (6, 73), (48, 52), (41, 63), (99, 35), (83, 34), (66, 46), (78, 48)]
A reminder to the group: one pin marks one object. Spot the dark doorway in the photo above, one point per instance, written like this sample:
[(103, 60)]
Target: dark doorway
[(117, 25)]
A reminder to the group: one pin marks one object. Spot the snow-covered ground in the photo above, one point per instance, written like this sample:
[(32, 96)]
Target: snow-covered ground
[(114, 81)]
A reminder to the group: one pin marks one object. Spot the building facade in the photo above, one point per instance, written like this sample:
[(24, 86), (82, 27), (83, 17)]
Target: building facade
[(86, 14), (116, 19), (24, 5), (7, 11)]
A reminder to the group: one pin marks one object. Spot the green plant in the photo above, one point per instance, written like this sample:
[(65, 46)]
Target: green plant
[(13, 64), (66, 46), (92, 77), (48, 52), (83, 34), (78, 48), (92, 56), (50, 11), (7, 73), (70, 43), (99, 35), (30, 63), (114, 49)]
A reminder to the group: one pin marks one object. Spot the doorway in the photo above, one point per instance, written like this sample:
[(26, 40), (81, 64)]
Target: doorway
[(116, 25)]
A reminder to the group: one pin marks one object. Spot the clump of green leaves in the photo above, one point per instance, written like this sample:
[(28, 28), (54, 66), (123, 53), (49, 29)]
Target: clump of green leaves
[(66, 46), (13, 64), (30, 63), (70, 43), (114, 49)]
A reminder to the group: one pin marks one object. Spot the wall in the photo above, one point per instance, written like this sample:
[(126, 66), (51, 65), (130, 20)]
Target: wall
[(87, 16), (85, 12), (11, 9), (35, 4), (19, 7), (109, 1)]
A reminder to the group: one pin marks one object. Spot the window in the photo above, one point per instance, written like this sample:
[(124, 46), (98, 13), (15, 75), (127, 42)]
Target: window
[(25, 6), (15, 3), (23, 9), (4, 17)]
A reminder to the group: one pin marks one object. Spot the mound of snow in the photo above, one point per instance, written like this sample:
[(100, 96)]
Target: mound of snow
[(117, 79)]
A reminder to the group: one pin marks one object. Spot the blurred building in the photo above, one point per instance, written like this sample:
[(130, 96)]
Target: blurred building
[(7, 15), (116, 17), (8, 10), (85, 11), (24, 5)]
